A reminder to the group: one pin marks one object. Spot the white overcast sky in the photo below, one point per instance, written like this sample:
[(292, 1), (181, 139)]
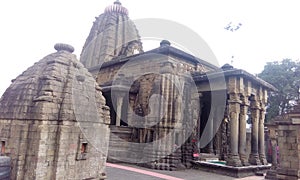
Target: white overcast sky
[(270, 28)]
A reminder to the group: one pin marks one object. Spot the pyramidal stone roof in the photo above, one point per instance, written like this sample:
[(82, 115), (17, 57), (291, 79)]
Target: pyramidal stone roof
[(56, 88), (112, 35)]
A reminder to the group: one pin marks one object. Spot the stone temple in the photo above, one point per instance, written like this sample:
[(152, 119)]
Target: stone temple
[(44, 133), (167, 106), (162, 108)]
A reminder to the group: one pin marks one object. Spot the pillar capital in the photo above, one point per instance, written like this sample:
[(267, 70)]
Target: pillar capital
[(255, 105), (166, 67), (263, 107), (245, 100), (234, 98)]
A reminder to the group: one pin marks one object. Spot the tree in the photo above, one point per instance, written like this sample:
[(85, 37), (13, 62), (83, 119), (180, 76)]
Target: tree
[(285, 76)]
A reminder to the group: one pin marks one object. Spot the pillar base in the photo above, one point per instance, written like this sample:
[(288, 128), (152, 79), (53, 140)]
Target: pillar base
[(233, 160), (244, 160), (254, 159), (263, 159)]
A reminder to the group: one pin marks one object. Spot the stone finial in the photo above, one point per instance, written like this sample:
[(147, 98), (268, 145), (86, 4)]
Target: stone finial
[(226, 67), (116, 8), (165, 43), (117, 2), (64, 47)]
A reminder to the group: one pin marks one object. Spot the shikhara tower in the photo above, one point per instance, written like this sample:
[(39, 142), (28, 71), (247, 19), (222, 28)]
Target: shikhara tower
[(112, 35)]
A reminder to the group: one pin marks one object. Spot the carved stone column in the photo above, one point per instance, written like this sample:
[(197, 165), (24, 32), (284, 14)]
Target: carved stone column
[(261, 132), (165, 112), (255, 114), (119, 109), (165, 105), (119, 92), (130, 110), (234, 111), (261, 138), (166, 88), (243, 133)]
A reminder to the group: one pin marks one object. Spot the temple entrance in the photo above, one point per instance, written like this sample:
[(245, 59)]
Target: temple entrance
[(205, 105)]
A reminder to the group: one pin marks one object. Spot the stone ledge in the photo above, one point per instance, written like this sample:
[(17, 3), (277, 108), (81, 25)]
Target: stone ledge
[(237, 172)]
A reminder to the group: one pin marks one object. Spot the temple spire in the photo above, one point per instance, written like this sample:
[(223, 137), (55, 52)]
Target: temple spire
[(112, 35)]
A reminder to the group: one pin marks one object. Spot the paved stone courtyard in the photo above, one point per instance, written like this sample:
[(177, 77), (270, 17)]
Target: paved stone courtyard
[(136, 172)]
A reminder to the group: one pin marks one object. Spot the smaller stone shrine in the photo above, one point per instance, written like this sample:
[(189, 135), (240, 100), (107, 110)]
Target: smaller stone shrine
[(287, 129), (54, 121)]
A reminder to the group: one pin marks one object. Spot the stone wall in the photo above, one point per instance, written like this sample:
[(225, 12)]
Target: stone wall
[(21, 144), (45, 151), (289, 150), (159, 102)]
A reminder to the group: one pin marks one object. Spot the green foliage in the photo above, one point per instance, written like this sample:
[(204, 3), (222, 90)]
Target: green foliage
[(285, 76)]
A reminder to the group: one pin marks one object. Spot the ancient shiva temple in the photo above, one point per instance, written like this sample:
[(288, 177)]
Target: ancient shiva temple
[(63, 118), (167, 106)]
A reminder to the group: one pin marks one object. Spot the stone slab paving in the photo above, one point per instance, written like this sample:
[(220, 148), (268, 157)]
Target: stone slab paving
[(136, 172)]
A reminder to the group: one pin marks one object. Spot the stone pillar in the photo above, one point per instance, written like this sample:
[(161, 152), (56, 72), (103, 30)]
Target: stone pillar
[(119, 109), (165, 119), (243, 133), (165, 94), (171, 100), (261, 137), (234, 111), (130, 110), (261, 128), (255, 114)]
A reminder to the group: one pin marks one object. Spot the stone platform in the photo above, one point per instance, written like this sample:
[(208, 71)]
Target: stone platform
[(237, 172)]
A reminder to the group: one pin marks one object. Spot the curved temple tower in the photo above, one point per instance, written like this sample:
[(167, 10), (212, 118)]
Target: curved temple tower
[(112, 35), (42, 124)]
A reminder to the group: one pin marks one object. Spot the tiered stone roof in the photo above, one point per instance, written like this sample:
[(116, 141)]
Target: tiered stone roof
[(51, 89)]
